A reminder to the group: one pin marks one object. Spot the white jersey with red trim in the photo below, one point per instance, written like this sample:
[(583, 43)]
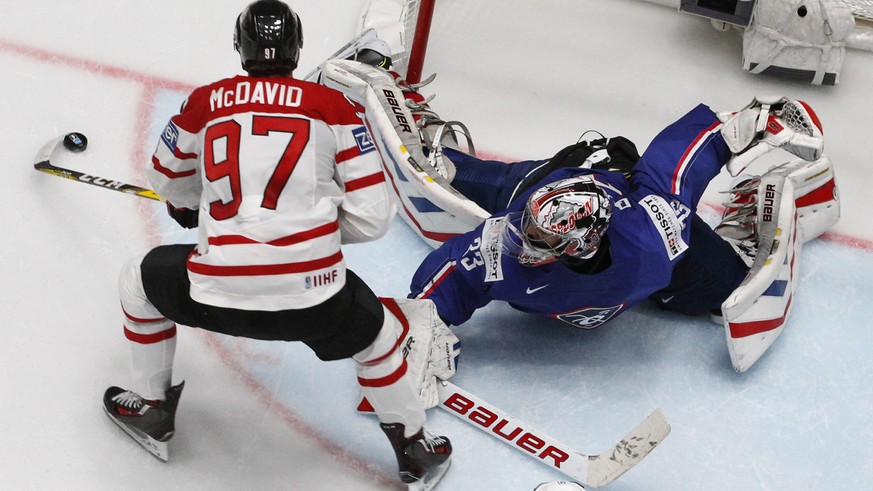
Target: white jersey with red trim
[(282, 172)]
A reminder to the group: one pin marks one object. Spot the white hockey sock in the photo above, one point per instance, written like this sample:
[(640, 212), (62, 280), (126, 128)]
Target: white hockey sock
[(386, 382), (152, 337)]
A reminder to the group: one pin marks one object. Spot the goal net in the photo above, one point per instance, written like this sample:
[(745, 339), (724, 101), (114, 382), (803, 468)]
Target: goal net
[(405, 26)]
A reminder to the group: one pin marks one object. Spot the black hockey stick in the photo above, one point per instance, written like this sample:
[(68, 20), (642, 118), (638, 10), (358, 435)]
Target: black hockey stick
[(42, 162)]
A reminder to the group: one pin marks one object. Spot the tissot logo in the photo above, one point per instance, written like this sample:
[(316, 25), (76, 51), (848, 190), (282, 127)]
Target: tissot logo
[(667, 223)]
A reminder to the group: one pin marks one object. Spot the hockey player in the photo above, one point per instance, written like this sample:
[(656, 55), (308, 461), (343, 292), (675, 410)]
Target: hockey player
[(596, 229), (277, 173), (592, 231)]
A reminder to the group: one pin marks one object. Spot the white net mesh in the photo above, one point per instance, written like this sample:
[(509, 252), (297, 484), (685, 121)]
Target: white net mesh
[(862, 9), (410, 17)]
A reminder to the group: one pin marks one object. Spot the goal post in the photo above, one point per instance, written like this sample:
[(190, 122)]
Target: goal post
[(405, 26), (421, 32)]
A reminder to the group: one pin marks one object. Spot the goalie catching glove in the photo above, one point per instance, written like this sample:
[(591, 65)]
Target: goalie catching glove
[(430, 348), (768, 123)]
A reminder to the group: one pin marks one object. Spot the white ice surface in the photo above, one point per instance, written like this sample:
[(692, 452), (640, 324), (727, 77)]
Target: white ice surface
[(528, 77)]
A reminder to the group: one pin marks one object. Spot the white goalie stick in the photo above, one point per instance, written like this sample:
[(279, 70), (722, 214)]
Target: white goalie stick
[(42, 162), (589, 470)]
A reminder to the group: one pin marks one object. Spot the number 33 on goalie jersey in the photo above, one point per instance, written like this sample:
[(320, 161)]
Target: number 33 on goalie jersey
[(282, 172)]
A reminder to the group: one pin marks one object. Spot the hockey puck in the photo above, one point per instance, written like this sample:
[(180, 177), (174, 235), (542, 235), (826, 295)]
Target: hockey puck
[(75, 142)]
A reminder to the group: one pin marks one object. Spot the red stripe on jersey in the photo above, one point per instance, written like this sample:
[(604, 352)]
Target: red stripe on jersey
[(264, 269), (347, 154), (142, 321), (365, 181), (182, 155), (313, 233), (822, 194), (150, 338), (170, 173), (386, 380), (392, 306), (441, 275), (689, 154)]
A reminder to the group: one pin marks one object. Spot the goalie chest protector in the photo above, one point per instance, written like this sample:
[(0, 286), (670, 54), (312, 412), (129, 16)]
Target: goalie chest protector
[(800, 39)]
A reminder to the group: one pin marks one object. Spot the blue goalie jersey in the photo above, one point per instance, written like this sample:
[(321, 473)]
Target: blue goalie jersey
[(646, 238)]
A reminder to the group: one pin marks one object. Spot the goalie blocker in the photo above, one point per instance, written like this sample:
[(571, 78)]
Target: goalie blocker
[(796, 202)]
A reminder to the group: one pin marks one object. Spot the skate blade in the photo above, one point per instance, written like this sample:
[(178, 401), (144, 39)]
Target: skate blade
[(432, 478), (157, 448)]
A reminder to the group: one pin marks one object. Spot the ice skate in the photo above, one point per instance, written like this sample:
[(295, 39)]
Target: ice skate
[(150, 423), (423, 459)]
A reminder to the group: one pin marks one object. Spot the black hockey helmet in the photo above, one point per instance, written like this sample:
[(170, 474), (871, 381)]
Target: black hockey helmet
[(268, 37)]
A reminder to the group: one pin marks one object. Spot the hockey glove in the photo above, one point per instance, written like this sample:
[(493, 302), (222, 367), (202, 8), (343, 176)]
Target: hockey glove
[(766, 124), (185, 217)]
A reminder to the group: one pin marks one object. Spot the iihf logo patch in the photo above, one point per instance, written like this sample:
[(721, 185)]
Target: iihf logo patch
[(363, 139), (170, 136), (589, 317)]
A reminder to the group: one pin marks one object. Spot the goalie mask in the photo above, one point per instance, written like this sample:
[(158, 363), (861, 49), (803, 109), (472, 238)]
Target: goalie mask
[(268, 37), (563, 218)]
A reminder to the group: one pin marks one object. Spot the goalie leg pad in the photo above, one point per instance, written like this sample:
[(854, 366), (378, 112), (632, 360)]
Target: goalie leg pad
[(766, 124), (816, 195), (755, 313)]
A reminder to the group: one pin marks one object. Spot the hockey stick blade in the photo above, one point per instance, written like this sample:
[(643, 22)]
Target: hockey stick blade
[(159, 449), (589, 470), (42, 162), (609, 465)]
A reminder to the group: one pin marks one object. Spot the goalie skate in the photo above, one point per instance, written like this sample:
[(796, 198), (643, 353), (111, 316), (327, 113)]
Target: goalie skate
[(149, 423)]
